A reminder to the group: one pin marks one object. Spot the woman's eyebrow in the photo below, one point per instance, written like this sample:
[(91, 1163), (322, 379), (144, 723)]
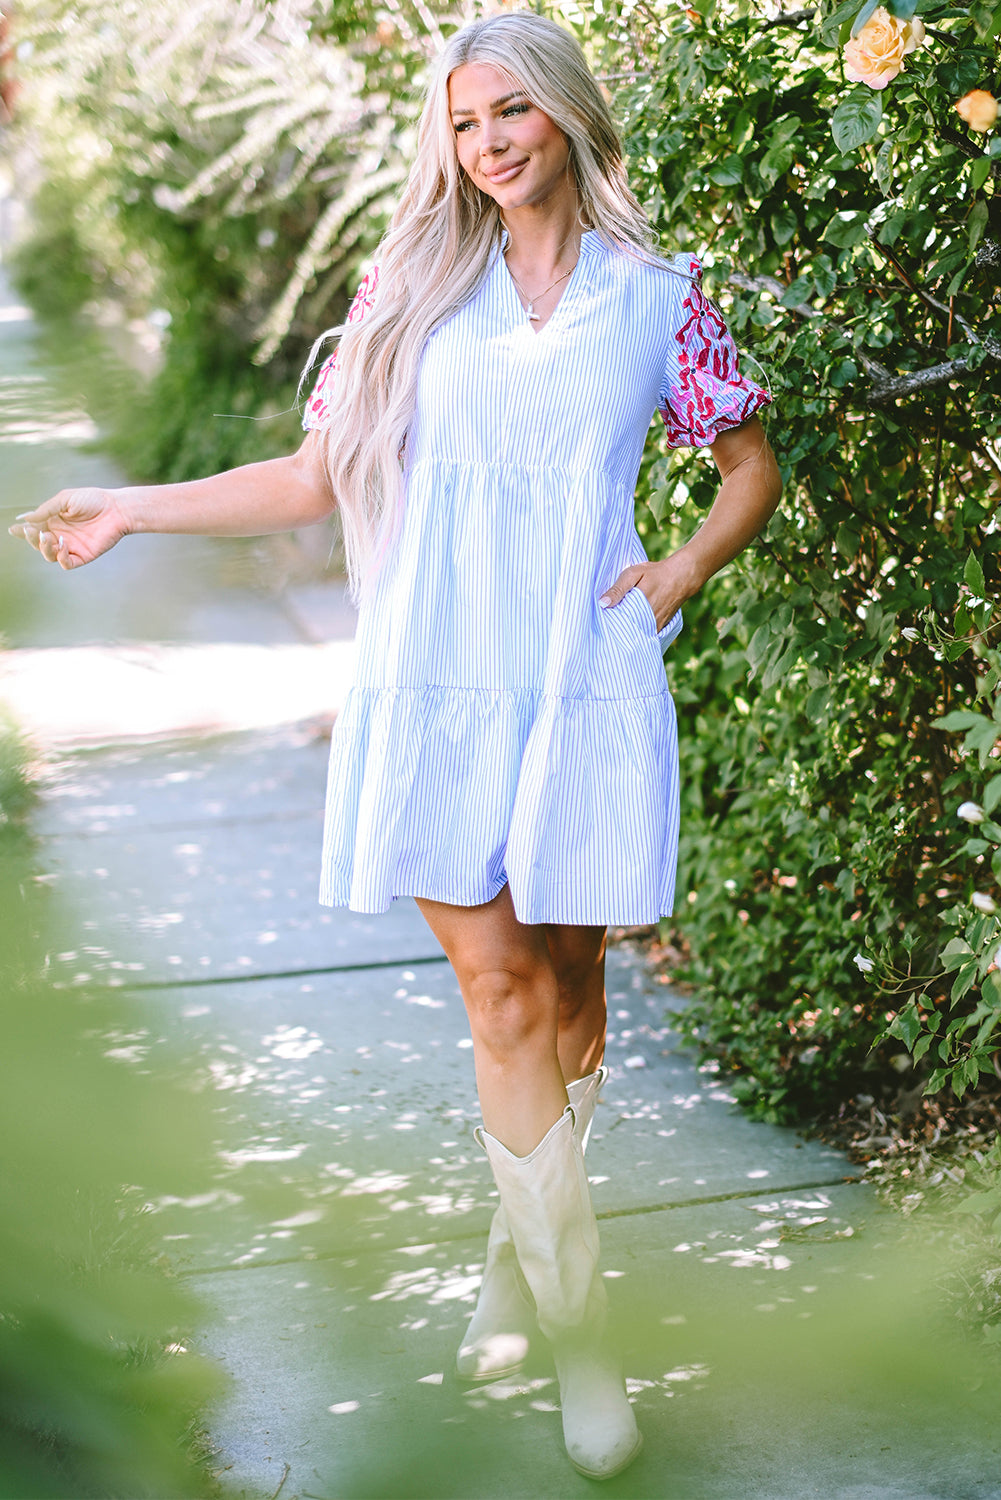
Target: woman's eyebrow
[(496, 104)]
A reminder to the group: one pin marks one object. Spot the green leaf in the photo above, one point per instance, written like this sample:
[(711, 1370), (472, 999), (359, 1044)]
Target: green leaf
[(986, 18), (991, 794), (973, 576), (979, 173), (839, 17), (907, 1025), (956, 948), (959, 718), (959, 72), (857, 118), (967, 1074), (784, 224), (921, 1046), (799, 293), (843, 373), (902, 9), (728, 172), (757, 646), (982, 739), (864, 15), (846, 229), (778, 669), (966, 978), (977, 223), (884, 165)]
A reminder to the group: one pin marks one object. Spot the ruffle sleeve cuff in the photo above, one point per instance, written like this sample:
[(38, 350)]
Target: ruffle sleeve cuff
[(704, 393), (316, 412)]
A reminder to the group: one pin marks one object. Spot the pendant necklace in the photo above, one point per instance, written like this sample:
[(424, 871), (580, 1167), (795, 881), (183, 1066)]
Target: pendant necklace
[(533, 316)]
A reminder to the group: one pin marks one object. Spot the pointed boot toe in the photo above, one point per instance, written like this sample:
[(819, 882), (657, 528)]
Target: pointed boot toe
[(599, 1426)]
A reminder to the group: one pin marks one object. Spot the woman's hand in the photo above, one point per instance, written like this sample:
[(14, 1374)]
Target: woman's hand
[(667, 584), (747, 496), (74, 527)]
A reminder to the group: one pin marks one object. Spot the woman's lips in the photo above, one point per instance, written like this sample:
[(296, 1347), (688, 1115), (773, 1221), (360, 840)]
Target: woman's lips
[(506, 173)]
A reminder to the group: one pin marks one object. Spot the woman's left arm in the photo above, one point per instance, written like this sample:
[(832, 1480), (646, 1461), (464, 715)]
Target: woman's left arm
[(747, 496)]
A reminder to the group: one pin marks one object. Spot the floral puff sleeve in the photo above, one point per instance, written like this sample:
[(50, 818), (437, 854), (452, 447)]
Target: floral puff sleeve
[(703, 392), (317, 409)]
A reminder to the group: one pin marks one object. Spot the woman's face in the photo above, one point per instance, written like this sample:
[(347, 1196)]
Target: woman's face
[(512, 150)]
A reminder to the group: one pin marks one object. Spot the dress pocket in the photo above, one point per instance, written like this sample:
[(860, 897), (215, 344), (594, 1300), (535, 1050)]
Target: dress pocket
[(669, 632)]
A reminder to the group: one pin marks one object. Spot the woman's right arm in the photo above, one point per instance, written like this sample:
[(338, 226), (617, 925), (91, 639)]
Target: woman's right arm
[(279, 494)]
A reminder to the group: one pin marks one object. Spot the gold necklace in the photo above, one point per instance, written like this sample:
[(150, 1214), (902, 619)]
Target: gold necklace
[(533, 316)]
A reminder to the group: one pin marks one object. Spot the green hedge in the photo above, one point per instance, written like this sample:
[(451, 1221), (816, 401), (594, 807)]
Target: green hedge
[(821, 792)]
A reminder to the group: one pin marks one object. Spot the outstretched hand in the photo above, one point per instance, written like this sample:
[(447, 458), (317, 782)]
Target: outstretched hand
[(73, 527)]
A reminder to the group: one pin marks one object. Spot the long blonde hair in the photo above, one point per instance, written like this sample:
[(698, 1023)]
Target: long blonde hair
[(438, 248)]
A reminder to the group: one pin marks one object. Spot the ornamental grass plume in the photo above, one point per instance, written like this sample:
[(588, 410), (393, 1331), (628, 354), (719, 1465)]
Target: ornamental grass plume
[(979, 109), (876, 55)]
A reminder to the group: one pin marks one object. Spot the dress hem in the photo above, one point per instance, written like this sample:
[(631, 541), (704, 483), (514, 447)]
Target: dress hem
[(618, 919)]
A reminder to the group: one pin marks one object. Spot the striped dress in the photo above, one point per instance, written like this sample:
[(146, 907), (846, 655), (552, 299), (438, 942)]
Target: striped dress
[(503, 727)]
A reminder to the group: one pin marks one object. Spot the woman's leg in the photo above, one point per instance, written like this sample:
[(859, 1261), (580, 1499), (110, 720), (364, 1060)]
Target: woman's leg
[(578, 958), (510, 976), (512, 996)]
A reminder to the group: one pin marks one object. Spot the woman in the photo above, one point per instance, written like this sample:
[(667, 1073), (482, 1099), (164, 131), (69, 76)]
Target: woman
[(508, 754)]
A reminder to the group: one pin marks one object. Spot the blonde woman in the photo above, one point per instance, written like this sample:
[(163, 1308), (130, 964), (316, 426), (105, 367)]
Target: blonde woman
[(507, 756)]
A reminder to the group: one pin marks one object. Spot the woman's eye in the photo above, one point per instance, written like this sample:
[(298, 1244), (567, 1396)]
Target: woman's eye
[(517, 109), (462, 125)]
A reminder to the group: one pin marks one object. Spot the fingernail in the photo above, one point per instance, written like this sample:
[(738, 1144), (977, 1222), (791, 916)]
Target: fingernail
[(605, 601)]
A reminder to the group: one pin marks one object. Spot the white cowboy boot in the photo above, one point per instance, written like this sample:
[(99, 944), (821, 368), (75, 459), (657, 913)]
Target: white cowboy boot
[(547, 1201), (497, 1339)]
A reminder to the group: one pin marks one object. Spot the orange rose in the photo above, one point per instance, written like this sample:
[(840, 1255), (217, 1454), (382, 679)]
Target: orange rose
[(979, 109), (877, 54)]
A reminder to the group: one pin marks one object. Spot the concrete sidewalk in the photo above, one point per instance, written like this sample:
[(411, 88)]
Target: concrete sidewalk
[(774, 1333)]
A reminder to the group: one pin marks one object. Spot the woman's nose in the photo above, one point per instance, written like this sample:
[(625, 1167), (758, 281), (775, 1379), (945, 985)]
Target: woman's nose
[(492, 139)]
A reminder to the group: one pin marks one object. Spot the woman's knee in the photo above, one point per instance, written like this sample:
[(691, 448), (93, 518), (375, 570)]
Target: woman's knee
[(511, 1009)]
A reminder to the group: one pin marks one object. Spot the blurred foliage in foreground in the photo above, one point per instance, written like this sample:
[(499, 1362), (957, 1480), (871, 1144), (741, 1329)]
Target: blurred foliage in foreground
[(98, 1395), (234, 169)]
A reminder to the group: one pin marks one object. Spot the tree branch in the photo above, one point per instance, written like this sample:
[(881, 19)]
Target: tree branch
[(788, 18), (887, 387)]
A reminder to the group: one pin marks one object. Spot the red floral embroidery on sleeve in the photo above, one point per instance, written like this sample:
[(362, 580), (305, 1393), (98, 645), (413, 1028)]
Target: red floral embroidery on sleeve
[(708, 395), (317, 409)]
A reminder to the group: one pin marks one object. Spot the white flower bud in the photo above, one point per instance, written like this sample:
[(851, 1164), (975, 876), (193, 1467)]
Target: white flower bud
[(983, 902), (863, 964), (971, 812), (910, 634)]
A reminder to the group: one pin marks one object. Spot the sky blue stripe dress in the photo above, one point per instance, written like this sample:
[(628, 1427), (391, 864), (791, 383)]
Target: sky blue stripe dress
[(503, 727)]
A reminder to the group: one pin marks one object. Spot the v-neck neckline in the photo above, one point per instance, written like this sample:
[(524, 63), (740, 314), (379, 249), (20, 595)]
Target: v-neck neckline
[(573, 281)]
